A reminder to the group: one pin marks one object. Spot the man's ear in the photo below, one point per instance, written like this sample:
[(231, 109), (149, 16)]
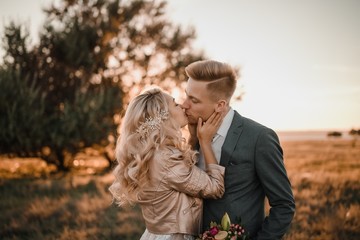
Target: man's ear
[(220, 106)]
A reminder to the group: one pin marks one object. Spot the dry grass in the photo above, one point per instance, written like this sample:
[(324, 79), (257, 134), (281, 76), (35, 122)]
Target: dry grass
[(37, 205), (325, 180), (69, 207)]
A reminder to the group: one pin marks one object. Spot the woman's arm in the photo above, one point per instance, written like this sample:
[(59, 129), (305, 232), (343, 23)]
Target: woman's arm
[(193, 180)]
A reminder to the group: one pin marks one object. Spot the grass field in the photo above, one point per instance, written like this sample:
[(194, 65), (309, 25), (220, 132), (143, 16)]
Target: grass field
[(325, 178), (37, 205)]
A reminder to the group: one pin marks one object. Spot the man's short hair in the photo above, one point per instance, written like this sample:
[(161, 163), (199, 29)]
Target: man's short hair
[(220, 76)]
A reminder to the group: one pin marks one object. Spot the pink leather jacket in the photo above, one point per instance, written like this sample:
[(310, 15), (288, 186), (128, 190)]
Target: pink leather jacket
[(171, 202)]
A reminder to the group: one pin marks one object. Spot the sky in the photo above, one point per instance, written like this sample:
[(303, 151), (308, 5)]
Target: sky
[(299, 60)]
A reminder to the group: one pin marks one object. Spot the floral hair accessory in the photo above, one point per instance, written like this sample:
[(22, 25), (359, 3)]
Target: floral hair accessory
[(152, 123)]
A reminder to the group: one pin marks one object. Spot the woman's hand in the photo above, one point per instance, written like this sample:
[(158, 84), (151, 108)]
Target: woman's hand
[(206, 130)]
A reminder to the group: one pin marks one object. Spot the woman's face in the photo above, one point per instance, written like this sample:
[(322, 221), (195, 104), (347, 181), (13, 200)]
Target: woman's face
[(177, 112)]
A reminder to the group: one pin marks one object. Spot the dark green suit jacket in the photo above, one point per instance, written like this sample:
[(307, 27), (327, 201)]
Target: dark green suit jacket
[(254, 168)]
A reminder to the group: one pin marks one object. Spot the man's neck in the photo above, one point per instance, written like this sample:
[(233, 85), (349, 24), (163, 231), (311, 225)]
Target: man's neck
[(226, 110)]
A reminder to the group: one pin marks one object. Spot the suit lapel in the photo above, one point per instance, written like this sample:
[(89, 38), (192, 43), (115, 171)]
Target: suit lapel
[(231, 139)]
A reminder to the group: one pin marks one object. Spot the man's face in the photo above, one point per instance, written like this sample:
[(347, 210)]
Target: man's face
[(198, 101)]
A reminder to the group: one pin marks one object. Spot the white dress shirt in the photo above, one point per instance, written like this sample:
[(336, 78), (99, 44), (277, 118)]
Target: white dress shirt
[(218, 139)]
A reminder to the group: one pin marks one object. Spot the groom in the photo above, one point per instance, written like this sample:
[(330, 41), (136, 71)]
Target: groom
[(250, 152)]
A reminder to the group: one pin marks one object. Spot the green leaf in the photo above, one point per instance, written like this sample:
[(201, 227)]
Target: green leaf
[(225, 222)]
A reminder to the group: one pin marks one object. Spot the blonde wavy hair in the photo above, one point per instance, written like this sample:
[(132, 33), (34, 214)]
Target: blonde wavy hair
[(134, 151)]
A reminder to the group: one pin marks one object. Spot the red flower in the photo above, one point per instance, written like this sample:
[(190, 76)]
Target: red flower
[(214, 230)]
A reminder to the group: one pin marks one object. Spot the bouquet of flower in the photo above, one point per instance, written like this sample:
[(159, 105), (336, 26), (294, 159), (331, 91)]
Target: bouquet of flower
[(225, 230)]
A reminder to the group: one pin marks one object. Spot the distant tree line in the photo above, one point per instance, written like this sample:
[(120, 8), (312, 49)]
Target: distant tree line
[(68, 91), (354, 132)]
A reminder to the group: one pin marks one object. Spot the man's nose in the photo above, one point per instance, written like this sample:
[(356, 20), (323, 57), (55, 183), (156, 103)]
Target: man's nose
[(185, 104)]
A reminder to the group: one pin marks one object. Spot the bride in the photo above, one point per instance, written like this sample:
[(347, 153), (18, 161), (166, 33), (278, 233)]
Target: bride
[(156, 168)]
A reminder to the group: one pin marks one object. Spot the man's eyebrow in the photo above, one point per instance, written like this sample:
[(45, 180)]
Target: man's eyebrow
[(191, 97)]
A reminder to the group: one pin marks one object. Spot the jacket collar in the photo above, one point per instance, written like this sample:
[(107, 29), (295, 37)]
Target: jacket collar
[(231, 139)]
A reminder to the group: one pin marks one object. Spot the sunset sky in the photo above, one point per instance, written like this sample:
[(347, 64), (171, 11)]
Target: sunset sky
[(300, 60)]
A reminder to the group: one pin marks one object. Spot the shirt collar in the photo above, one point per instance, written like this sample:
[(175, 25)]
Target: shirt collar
[(225, 125)]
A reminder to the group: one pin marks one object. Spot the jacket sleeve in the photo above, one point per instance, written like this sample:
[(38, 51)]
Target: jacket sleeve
[(192, 180), (273, 177)]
